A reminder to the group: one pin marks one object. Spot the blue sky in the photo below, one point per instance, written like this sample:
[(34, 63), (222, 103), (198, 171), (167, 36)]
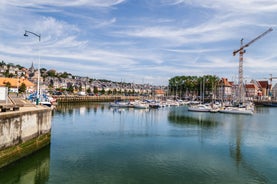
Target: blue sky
[(141, 41)]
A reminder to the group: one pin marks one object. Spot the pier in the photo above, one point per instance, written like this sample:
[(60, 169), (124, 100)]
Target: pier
[(272, 103), (23, 132)]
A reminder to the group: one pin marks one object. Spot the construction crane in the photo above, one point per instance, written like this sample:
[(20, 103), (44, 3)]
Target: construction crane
[(270, 79), (241, 52), (270, 92)]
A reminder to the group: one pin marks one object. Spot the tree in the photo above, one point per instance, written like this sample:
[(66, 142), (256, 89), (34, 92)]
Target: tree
[(103, 91), (88, 90), (6, 73), (80, 87), (70, 88), (184, 85), (19, 67), (2, 63), (10, 65), (95, 90), (8, 85), (110, 92), (64, 75), (51, 73), (22, 88), (51, 84), (114, 91)]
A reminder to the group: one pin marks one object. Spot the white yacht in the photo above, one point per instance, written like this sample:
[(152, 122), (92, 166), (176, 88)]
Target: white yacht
[(200, 108)]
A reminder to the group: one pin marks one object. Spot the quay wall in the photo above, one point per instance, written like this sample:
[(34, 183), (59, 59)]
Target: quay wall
[(73, 98), (23, 132), (265, 102)]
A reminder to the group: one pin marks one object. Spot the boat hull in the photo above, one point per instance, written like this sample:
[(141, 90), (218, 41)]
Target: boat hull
[(199, 108), (237, 111)]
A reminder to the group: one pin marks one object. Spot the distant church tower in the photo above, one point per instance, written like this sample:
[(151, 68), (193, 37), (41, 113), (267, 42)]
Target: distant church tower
[(32, 69)]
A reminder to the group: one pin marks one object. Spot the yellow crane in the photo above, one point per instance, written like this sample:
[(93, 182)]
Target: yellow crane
[(241, 52)]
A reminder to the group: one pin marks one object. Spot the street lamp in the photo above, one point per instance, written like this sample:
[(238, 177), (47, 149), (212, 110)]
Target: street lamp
[(38, 89)]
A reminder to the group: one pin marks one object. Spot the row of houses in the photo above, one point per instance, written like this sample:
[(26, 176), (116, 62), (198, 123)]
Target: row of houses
[(226, 89), (262, 90), (11, 71), (80, 85)]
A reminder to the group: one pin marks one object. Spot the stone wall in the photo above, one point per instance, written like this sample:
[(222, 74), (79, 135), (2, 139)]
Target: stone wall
[(23, 132), (74, 99)]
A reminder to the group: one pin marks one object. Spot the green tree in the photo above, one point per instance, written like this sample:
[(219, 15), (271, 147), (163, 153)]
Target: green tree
[(184, 85), (22, 88), (10, 65), (88, 90), (95, 90), (8, 85), (103, 91), (51, 73), (2, 63), (110, 92), (7, 73), (70, 88), (64, 75), (19, 67)]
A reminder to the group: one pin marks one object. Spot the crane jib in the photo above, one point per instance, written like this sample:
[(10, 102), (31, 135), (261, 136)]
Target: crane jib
[(252, 41)]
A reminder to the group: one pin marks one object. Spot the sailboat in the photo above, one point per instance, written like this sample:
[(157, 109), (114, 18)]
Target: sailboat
[(201, 107), (247, 110), (241, 108)]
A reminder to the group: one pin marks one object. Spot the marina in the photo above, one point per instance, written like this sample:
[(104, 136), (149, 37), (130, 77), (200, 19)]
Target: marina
[(96, 143), (131, 92)]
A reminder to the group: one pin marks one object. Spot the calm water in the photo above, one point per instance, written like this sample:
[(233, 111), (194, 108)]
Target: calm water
[(93, 143)]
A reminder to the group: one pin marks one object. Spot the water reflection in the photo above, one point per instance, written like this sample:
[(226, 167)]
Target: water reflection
[(198, 119), (33, 169), (93, 143), (66, 109), (242, 162), (264, 110)]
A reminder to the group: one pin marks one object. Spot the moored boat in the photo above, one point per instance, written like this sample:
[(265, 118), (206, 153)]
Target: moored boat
[(141, 105), (237, 110), (200, 108), (154, 105), (121, 104)]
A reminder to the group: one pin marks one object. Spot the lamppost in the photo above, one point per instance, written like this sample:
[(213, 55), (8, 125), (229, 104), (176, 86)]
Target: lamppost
[(38, 89)]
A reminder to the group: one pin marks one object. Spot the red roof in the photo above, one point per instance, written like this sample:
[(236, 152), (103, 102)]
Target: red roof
[(263, 84), (225, 82), (251, 86), (159, 91)]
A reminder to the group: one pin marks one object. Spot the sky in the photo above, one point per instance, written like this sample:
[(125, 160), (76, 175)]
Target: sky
[(141, 41)]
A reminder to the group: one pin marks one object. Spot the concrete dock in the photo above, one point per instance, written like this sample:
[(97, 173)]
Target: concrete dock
[(23, 132)]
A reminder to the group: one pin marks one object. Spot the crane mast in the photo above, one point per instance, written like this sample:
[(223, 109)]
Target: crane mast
[(241, 51), (270, 79)]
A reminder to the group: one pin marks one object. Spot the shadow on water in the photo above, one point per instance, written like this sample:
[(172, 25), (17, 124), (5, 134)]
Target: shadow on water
[(33, 169), (198, 119), (71, 108)]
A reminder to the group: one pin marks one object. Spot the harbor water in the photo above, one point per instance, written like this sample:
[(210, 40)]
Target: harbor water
[(93, 143)]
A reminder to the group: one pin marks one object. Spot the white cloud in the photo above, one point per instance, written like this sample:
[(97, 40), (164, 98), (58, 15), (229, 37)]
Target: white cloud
[(63, 3), (109, 42), (238, 6)]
